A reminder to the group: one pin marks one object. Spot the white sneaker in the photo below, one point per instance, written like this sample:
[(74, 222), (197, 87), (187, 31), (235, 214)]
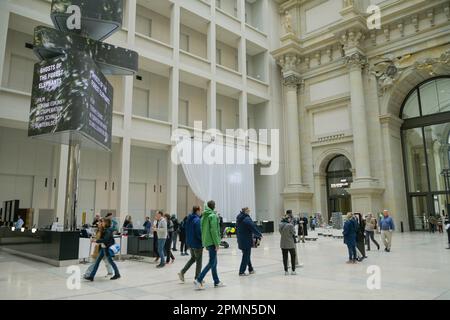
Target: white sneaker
[(198, 285), (293, 273), (286, 273), (252, 272), (300, 265), (220, 285), (181, 277)]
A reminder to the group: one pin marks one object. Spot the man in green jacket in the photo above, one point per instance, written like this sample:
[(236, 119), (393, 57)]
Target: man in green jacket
[(211, 241)]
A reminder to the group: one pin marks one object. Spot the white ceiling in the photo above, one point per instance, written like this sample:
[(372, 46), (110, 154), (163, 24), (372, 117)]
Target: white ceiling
[(227, 91), (194, 21), (163, 7), (227, 37), (253, 49), (193, 80)]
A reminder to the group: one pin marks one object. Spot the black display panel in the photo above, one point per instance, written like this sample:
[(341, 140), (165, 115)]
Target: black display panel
[(71, 98)]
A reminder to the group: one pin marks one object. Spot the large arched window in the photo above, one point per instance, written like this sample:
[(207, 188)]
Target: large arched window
[(426, 137)]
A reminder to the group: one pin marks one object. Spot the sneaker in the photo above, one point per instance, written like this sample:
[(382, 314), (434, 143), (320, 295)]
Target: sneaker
[(293, 273), (300, 265), (159, 266), (117, 276), (89, 278), (286, 273), (243, 274), (220, 285), (198, 285), (181, 277), (252, 272), (349, 262)]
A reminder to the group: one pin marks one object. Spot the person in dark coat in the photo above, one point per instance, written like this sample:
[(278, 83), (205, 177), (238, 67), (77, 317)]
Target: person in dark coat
[(193, 234), (246, 230), (360, 235), (350, 230), (182, 229)]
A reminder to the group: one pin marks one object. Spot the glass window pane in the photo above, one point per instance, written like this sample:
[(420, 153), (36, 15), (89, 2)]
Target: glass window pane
[(420, 214), (437, 145), (411, 109), (416, 166), (443, 89), (340, 163), (429, 98)]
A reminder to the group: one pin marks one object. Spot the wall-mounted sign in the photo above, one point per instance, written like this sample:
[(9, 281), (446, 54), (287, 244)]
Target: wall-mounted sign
[(340, 185)]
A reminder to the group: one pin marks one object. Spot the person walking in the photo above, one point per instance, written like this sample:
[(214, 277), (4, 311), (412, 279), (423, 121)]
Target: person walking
[(161, 231), (360, 235), (147, 225), (106, 241), (246, 230), (287, 243), (183, 244), (387, 228), (167, 246), (176, 231), (155, 239), (350, 230), (371, 226), (193, 232), (19, 223), (211, 241), (97, 248)]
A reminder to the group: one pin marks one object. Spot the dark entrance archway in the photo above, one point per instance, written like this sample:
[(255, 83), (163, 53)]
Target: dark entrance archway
[(339, 180)]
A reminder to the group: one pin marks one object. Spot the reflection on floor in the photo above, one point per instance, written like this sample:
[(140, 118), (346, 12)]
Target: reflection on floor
[(417, 268)]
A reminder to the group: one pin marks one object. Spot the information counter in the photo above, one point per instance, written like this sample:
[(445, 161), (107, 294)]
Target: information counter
[(55, 248)]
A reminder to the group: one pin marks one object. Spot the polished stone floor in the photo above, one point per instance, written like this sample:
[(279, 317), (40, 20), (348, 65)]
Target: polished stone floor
[(417, 268)]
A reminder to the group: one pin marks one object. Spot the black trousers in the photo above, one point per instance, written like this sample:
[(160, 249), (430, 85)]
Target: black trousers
[(285, 258), (448, 233), (183, 246), (155, 245), (370, 235), (168, 247)]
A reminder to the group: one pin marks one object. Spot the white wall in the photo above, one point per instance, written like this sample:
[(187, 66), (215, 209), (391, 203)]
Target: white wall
[(19, 74), (228, 6), (160, 25), (229, 56), (197, 41), (230, 112), (323, 14), (329, 88), (196, 98), (151, 96), (25, 164), (255, 15), (256, 66)]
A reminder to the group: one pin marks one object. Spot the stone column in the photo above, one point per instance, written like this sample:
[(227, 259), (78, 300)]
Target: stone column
[(294, 175), (355, 63)]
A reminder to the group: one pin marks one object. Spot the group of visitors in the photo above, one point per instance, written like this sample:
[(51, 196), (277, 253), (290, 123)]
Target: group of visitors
[(359, 232)]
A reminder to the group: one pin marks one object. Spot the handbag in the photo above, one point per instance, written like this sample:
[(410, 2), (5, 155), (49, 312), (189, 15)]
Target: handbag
[(114, 249)]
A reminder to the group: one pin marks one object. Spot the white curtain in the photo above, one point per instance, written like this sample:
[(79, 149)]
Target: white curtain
[(231, 186)]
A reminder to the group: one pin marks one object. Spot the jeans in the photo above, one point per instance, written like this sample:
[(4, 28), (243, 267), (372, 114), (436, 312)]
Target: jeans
[(246, 261), (174, 241), (370, 235), (100, 258), (212, 265), (196, 256), (285, 258), (109, 268), (161, 245), (351, 252)]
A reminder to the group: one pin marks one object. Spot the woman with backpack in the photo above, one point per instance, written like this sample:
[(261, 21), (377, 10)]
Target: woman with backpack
[(106, 241)]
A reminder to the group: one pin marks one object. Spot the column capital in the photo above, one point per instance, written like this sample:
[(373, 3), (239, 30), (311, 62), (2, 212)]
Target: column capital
[(356, 60), (292, 81)]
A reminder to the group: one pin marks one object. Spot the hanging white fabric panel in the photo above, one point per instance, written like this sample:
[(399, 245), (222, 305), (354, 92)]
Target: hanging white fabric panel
[(230, 184)]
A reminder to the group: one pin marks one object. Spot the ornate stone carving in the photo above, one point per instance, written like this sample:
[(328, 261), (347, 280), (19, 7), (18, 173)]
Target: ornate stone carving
[(429, 64), (348, 3), (287, 22), (352, 39), (356, 60), (292, 81), (289, 63)]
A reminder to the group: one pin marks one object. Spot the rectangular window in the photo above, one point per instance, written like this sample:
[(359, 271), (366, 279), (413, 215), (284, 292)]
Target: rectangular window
[(219, 56), (143, 26), (21, 73), (184, 42), (141, 102), (219, 119), (219, 4), (183, 113)]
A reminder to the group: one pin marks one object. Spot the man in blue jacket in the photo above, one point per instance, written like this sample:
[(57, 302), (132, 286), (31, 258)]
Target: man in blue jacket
[(246, 230), (194, 241), (387, 227)]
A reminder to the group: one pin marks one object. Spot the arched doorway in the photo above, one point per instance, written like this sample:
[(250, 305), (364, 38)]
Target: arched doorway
[(426, 150), (339, 179)]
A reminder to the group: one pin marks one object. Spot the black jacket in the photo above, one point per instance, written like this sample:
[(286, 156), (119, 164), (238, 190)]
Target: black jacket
[(107, 239)]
